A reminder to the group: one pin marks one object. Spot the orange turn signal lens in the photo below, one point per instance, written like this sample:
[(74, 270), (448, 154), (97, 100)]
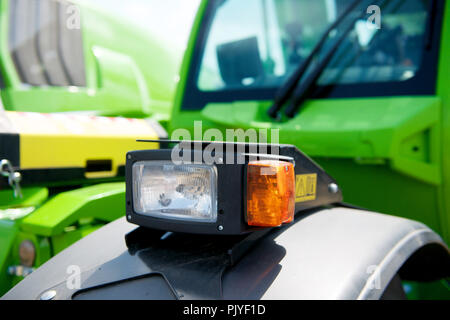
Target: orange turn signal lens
[(270, 193)]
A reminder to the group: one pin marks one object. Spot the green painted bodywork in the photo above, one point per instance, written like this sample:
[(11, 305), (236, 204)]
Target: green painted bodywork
[(56, 223), (8, 234), (31, 197), (388, 154), (103, 202)]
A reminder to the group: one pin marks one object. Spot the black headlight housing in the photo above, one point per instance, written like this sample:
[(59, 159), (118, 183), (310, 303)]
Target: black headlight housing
[(231, 193)]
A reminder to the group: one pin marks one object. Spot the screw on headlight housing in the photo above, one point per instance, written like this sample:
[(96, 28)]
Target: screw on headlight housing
[(333, 188)]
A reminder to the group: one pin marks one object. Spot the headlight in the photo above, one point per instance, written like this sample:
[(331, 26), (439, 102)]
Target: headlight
[(257, 190), (162, 189)]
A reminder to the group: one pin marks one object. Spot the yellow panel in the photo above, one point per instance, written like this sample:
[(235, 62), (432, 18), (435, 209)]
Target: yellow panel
[(67, 141)]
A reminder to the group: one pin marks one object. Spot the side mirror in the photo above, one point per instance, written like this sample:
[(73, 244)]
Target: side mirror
[(240, 62)]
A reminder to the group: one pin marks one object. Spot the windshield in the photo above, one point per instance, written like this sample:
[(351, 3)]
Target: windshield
[(259, 43)]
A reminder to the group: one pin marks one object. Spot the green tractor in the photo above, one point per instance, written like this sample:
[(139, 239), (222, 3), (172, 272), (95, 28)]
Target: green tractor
[(69, 72), (369, 103), (361, 87)]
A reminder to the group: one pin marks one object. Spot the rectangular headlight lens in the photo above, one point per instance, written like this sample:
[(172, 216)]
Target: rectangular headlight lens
[(162, 189)]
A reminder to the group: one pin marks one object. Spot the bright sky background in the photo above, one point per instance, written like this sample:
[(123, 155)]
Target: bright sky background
[(169, 20)]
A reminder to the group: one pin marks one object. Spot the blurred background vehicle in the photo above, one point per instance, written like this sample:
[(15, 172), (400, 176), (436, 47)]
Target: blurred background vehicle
[(80, 61), (103, 57)]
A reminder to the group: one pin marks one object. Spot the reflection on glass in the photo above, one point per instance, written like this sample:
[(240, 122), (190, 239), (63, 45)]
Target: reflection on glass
[(258, 43)]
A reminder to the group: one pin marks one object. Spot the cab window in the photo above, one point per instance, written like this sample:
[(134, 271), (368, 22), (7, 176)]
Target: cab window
[(254, 45), (273, 37)]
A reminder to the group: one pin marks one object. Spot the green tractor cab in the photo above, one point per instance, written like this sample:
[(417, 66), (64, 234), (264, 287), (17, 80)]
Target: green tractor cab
[(367, 119), (370, 103)]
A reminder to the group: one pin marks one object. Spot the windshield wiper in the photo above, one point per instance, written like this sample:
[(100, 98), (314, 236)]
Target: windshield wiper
[(286, 90), (305, 88)]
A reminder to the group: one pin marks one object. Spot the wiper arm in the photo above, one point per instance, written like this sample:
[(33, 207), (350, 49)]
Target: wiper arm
[(286, 90), (306, 87)]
